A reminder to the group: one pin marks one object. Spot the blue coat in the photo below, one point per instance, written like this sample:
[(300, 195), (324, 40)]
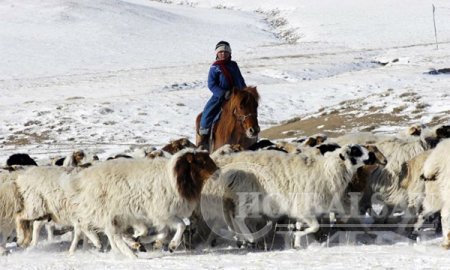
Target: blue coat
[(218, 83)]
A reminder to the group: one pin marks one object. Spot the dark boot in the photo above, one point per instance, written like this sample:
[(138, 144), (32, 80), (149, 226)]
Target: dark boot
[(203, 142)]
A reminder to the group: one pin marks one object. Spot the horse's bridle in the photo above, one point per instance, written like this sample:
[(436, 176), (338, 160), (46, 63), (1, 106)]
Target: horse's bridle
[(242, 117)]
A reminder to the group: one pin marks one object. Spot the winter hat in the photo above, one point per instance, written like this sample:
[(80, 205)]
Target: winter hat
[(223, 46)]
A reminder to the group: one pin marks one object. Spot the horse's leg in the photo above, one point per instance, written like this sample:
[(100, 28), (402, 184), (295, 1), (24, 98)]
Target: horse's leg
[(197, 127)]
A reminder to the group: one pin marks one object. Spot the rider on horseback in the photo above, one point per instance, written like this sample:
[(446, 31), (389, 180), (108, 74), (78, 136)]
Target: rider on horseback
[(223, 76)]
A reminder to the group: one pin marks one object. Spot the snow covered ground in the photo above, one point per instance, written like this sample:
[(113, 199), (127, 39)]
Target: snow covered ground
[(112, 76)]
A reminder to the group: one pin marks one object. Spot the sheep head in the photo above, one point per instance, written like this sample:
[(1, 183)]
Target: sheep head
[(192, 169)]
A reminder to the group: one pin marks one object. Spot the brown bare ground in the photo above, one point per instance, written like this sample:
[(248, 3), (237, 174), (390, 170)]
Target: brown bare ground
[(339, 122)]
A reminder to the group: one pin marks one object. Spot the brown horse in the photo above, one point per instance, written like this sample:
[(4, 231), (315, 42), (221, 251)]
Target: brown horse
[(238, 123)]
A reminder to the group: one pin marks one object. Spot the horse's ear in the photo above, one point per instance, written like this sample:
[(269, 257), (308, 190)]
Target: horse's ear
[(252, 90)]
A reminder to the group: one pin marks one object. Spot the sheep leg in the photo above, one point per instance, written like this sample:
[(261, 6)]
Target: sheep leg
[(3, 240), (179, 225), (109, 234), (123, 247), (23, 231), (37, 226), (445, 222), (419, 222), (242, 230), (140, 229), (118, 245), (85, 244), (161, 235), (76, 238), (50, 228), (313, 226), (212, 235), (3, 250), (20, 230), (93, 237), (131, 242)]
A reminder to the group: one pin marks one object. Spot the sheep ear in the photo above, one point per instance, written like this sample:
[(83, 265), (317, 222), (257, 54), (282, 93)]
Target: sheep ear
[(415, 131), (86, 165), (9, 168), (341, 156), (310, 142), (189, 157)]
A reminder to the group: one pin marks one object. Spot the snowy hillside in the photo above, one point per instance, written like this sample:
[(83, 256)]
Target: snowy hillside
[(113, 76)]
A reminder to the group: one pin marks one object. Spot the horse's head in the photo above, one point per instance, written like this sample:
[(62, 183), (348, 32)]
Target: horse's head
[(244, 105)]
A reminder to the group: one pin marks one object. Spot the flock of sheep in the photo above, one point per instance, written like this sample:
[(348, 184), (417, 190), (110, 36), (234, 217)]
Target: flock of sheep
[(232, 193)]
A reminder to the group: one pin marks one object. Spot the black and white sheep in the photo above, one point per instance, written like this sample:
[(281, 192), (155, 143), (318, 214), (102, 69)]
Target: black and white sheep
[(77, 158), (299, 186)]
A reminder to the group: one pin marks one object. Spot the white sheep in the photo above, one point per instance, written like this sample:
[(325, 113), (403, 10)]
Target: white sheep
[(385, 182), (114, 195), (216, 208), (367, 137), (423, 196), (359, 138), (10, 202), (208, 217), (437, 168), (300, 186), (45, 198)]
